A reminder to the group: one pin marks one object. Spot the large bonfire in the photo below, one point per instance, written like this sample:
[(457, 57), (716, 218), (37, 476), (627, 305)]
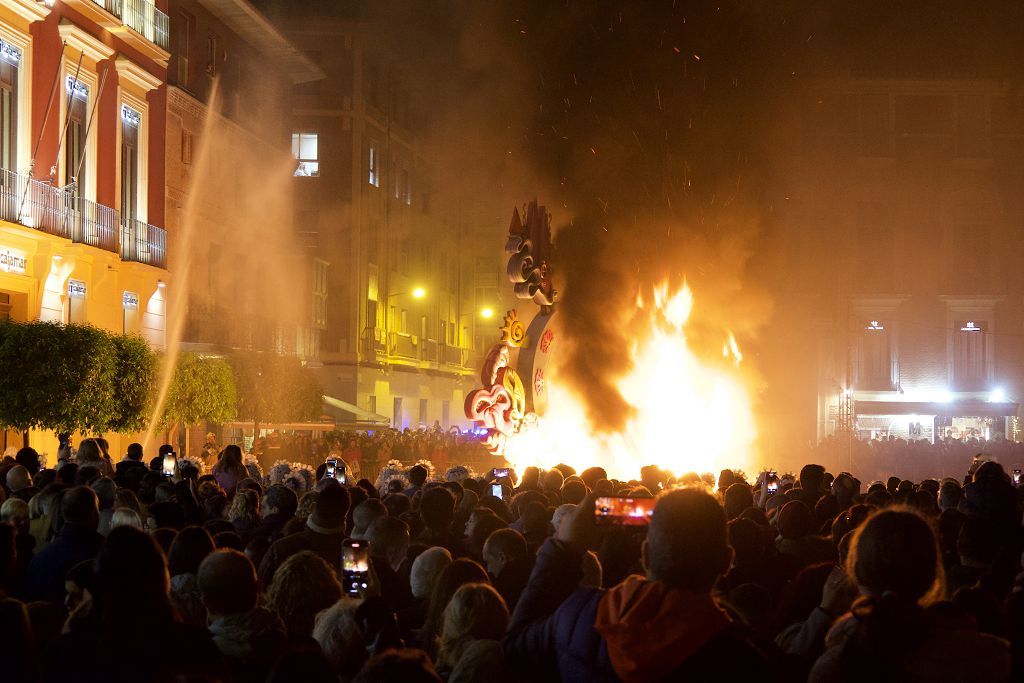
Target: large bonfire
[(689, 414)]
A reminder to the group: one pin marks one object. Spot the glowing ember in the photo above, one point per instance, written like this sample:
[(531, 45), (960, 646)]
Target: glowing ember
[(689, 415)]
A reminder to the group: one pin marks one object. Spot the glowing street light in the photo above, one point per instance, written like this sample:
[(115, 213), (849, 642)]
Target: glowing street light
[(998, 395), (419, 293), (487, 313)]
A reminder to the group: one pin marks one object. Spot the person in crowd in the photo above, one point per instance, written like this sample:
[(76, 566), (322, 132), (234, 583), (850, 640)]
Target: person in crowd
[(662, 626), (304, 585), (437, 512), (129, 607), (323, 535), (341, 638), (28, 458), (76, 540), (890, 634), (389, 545), (230, 469), (424, 574), (454, 576), (188, 550), (106, 492), (243, 512), (417, 477), (250, 637), (365, 514), (133, 460), (475, 622), (277, 506), (509, 563), (126, 517)]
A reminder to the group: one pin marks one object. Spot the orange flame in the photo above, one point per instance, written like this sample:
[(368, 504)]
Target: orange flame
[(689, 415)]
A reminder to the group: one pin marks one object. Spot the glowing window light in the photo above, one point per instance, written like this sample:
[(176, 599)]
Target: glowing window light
[(875, 325), (970, 326)]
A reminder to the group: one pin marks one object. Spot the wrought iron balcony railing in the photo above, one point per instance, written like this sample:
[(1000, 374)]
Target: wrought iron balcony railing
[(142, 16), (61, 211), (143, 243)]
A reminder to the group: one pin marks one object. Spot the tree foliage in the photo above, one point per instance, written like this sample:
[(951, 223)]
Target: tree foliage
[(202, 389), (135, 382), (59, 377), (274, 389)]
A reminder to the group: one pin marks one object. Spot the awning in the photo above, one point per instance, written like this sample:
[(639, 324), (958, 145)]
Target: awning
[(333, 406), (246, 425), (954, 409)]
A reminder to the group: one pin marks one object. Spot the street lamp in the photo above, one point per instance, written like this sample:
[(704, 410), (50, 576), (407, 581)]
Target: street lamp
[(487, 313), (419, 293)]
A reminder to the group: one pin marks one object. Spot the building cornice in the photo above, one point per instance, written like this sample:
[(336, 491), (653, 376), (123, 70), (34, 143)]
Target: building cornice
[(86, 43)]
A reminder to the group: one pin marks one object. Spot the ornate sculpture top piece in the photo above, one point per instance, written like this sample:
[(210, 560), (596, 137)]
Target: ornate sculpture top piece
[(529, 263)]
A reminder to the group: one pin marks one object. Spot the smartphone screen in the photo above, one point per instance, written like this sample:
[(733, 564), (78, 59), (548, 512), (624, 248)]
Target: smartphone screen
[(499, 472), (355, 567), (340, 474), (1016, 477), (497, 491), (332, 467), (170, 461), (610, 511)]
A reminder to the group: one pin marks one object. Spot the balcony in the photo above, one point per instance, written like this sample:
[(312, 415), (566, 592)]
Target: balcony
[(142, 16), (143, 243), (453, 355), (429, 350), (403, 345), (61, 212)]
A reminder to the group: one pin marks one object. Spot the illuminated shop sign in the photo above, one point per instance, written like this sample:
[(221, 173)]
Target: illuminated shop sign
[(130, 301), (76, 289), (970, 326), (875, 325), (12, 260)]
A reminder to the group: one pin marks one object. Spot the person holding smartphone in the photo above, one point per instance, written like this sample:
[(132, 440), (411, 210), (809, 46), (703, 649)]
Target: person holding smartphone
[(663, 626)]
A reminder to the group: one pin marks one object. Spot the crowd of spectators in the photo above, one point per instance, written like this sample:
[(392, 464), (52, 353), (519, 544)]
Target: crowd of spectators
[(915, 458), (112, 571)]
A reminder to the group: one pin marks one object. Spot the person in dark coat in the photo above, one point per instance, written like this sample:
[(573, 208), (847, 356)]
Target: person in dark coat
[(76, 541), (664, 626), (324, 533)]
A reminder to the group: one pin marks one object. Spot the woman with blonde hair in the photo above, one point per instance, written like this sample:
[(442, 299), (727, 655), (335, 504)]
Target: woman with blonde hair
[(475, 621), (890, 634), (243, 512)]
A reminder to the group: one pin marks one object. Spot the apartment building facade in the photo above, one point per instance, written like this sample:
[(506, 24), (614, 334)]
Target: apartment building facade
[(901, 234), (82, 100), (401, 257)]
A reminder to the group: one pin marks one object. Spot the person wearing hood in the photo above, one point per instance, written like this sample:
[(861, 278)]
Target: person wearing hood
[(324, 533), (662, 626), (248, 636)]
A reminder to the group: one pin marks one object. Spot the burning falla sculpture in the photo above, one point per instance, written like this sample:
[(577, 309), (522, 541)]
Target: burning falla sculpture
[(505, 405)]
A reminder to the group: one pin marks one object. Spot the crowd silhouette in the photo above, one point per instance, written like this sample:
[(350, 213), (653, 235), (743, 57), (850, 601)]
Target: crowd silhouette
[(125, 569)]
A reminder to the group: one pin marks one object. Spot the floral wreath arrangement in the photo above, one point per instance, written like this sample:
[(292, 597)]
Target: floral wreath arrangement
[(302, 478), (393, 470), (278, 471), (198, 463), (252, 465), (458, 473)]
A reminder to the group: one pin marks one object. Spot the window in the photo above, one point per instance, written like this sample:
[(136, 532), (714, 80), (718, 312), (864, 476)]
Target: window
[(306, 152), (828, 122), (423, 411), (875, 358), (972, 256), (446, 414), (130, 120), (212, 53), (396, 420), (10, 62), (374, 161), (876, 248), (371, 403), (969, 355), (186, 147), (186, 37), (320, 294), (74, 144)]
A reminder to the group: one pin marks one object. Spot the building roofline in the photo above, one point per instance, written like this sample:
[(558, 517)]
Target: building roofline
[(254, 28)]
